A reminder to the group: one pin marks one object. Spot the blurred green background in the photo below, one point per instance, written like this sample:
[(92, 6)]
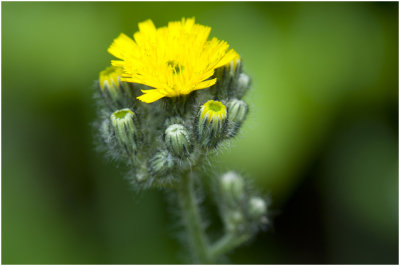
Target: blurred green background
[(321, 139)]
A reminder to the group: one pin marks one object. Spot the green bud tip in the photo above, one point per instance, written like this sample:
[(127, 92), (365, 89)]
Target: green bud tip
[(160, 163), (237, 110), (177, 140), (125, 126)]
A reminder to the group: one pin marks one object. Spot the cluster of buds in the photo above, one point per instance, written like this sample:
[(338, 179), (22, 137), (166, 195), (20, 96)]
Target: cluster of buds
[(164, 138), (241, 211)]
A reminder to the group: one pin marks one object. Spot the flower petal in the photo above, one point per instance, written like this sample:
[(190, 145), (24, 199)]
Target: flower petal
[(150, 96)]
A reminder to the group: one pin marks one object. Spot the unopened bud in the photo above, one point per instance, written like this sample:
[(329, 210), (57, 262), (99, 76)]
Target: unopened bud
[(126, 129), (160, 163), (232, 188), (234, 67), (257, 207), (177, 140), (226, 77), (211, 124), (243, 84), (237, 110), (114, 91)]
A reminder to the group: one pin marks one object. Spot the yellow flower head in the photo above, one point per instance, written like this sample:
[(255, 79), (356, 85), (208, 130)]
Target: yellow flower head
[(174, 60)]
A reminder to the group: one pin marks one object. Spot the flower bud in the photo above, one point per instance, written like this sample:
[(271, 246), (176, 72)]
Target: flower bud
[(125, 125), (257, 208), (232, 188), (226, 77), (237, 110), (235, 67), (115, 92), (243, 84), (177, 140), (211, 124), (160, 163)]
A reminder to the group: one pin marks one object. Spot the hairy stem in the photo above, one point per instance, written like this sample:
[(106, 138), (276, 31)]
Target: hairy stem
[(192, 219), (227, 243)]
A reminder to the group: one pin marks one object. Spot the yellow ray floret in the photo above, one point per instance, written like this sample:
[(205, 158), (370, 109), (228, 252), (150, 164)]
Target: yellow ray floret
[(174, 60)]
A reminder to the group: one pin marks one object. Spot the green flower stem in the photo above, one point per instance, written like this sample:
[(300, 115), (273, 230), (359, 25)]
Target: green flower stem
[(191, 216), (227, 243)]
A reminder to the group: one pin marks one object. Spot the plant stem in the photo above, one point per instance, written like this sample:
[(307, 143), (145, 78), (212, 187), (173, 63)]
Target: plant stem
[(226, 244), (192, 218)]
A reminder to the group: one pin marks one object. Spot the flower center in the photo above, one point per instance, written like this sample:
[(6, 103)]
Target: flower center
[(176, 67)]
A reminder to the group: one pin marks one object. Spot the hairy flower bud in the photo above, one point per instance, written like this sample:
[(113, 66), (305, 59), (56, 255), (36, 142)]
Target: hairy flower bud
[(115, 92), (126, 128), (160, 163), (226, 78), (232, 188), (257, 208), (237, 110), (211, 124), (177, 140), (242, 85)]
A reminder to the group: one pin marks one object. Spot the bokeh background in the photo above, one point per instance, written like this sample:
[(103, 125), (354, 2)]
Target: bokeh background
[(321, 139)]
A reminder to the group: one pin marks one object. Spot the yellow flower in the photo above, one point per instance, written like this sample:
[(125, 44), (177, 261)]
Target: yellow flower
[(174, 60)]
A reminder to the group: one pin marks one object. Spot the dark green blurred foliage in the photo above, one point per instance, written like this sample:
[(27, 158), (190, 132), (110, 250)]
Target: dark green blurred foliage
[(322, 135)]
